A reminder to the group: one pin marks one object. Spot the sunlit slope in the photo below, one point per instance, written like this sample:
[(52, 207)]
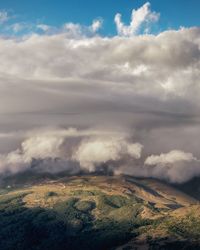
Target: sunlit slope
[(95, 212)]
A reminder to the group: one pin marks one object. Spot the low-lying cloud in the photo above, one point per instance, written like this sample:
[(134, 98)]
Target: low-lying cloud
[(90, 151), (87, 150), (98, 151), (175, 166)]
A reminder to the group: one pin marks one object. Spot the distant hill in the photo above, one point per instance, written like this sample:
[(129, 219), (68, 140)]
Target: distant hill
[(95, 212)]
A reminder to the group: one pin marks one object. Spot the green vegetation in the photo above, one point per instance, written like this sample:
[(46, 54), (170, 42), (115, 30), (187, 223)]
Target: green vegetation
[(51, 194), (85, 206), (186, 227), (85, 193), (88, 219), (72, 222)]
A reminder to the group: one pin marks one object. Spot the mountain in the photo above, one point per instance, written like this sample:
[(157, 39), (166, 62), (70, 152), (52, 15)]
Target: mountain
[(95, 212)]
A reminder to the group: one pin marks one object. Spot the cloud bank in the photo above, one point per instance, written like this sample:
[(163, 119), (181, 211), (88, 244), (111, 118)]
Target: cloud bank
[(175, 166), (70, 150), (131, 101)]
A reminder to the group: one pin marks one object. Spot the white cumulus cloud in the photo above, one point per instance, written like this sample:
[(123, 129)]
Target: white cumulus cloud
[(175, 166), (140, 17), (96, 151), (169, 158), (96, 25)]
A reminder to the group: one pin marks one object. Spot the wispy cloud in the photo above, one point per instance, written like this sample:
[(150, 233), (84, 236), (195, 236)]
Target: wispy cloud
[(43, 27), (4, 16), (17, 27)]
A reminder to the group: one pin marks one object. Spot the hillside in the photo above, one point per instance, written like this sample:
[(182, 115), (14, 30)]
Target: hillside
[(96, 212)]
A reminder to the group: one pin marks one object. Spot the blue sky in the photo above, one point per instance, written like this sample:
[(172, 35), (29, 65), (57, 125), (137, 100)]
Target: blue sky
[(174, 13)]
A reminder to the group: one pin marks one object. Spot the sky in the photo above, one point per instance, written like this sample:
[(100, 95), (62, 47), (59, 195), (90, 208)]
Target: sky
[(174, 14), (87, 84)]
